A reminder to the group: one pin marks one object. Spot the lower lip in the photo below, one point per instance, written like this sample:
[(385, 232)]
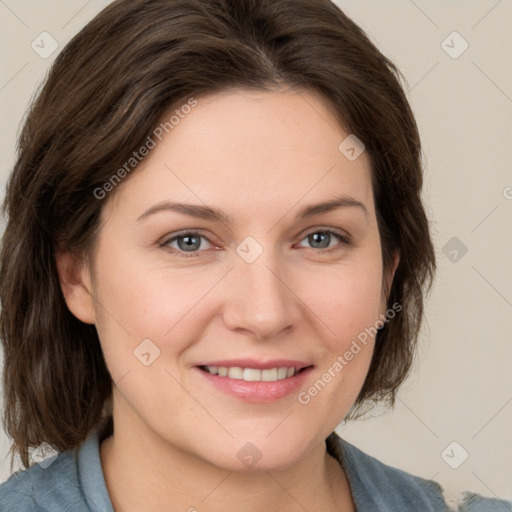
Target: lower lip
[(257, 391)]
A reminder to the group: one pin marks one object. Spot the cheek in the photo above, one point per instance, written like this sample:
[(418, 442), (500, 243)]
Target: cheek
[(135, 303), (348, 302), (347, 299)]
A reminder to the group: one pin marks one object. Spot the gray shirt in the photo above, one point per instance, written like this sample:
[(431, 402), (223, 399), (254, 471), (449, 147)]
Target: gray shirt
[(74, 482)]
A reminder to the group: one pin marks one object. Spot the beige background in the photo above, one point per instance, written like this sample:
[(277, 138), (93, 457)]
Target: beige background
[(461, 387)]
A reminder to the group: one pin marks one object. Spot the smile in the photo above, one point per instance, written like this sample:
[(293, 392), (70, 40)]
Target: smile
[(252, 374), (272, 381)]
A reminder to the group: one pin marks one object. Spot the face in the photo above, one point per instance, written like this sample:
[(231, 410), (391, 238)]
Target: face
[(272, 284)]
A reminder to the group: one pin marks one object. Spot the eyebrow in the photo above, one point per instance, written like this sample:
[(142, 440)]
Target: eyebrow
[(212, 214)]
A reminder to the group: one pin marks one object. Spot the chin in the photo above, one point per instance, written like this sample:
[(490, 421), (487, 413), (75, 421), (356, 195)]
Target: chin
[(256, 455)]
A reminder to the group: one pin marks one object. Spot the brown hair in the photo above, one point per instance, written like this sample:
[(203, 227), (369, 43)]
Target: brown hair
[(104, 95)]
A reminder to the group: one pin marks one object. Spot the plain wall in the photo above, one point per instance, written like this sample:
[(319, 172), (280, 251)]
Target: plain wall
[(461, 386)]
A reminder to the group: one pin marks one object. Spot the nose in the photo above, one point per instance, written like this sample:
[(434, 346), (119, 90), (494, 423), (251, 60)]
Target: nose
[(261, 301)]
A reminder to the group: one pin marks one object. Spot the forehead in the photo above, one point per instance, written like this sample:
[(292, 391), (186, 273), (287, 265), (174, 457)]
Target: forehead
[(252, 152)]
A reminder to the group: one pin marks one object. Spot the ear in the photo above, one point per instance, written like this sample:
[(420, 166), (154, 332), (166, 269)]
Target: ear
[(387, 280), (76, 285)]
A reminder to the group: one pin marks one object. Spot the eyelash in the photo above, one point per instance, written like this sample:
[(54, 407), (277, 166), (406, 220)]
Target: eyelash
[(344, 241)]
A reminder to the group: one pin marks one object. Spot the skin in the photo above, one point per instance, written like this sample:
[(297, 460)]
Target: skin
[(260, 157)]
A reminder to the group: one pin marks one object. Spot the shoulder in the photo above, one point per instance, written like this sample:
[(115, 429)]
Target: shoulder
[(377, 486), (51, 485), (71, 481), (475, 503)]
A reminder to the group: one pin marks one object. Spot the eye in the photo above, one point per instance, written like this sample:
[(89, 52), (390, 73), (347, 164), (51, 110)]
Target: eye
[(187, 242), (321, 239)]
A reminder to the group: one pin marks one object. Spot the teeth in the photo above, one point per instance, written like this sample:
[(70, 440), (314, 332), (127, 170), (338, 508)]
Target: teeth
[(269, 375), (235, 372), (252, 374), (282, 373)]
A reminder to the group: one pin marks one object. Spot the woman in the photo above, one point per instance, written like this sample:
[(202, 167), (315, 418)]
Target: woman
[(216, 251)]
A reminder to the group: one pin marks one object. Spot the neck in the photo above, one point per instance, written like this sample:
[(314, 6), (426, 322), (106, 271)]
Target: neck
[(144, 473)]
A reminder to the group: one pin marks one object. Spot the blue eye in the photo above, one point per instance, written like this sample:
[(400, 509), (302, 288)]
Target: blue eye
[(189, 243), (322, 239)]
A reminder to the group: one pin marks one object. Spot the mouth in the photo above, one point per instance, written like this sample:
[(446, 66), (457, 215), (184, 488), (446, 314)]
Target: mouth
[(256, 382)]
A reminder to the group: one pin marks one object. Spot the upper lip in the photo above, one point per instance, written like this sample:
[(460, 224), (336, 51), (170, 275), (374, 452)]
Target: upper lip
[(258, 364)]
